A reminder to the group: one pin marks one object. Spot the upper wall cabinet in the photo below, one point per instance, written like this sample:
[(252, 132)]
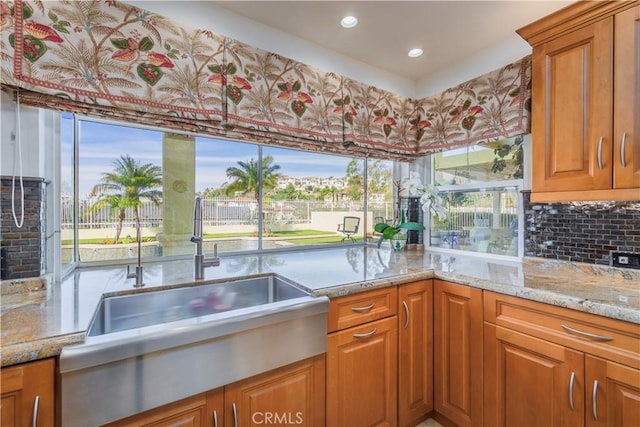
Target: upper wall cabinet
[(377, 119), (586, 102), (268, 94)]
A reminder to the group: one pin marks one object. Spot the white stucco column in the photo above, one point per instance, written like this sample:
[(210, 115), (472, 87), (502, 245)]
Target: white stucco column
[(179, 179)]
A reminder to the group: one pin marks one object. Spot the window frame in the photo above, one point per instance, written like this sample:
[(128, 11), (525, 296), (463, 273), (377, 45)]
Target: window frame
[(77, 263), (519, 185)]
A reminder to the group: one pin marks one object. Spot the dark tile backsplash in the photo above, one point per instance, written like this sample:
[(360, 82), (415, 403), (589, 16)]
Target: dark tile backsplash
[(581, 232), (23, 246)]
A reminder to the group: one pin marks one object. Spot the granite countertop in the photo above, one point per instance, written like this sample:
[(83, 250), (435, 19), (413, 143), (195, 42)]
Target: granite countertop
[(36, 321)]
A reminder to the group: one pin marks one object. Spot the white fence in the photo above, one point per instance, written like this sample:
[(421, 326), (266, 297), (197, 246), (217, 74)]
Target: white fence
[(215, 212), (224, 211)]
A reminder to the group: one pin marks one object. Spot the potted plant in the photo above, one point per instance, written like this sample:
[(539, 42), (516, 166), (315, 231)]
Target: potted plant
[(397, 233)]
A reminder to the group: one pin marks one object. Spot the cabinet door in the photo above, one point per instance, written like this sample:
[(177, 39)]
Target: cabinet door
[(415, 364), (458, 353), (292, 395), (613, 394), (362, 366), (201, 410), (572, 110), (27, 392), (627, 99), (531, 382)]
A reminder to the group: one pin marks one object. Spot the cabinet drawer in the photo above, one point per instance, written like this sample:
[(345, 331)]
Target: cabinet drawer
[(611, 339), (353, 310)]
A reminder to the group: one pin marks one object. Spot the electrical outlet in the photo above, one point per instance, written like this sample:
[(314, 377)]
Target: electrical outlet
[(625, 259)]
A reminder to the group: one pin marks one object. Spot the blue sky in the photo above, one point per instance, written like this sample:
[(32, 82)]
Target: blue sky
[(101, 144)]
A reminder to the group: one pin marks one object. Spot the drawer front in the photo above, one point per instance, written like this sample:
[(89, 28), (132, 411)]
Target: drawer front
[(611, 339), (352, 310)]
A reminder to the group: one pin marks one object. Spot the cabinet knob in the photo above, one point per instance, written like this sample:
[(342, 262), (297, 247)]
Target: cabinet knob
[(367, 335), (587, 334), (594, 399), (36, 406), (406, 311), (572, 380), (235, 414), (600, 165), (623, 146), (362, 309)]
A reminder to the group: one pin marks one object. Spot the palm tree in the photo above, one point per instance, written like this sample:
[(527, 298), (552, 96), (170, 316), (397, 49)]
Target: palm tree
[(126, 187), (245, 177)]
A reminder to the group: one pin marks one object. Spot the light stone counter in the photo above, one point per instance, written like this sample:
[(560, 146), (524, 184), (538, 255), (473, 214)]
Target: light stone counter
[(37, 323)]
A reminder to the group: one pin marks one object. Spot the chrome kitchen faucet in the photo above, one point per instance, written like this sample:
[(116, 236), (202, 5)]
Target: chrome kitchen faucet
[(138, 275), (200, 262)]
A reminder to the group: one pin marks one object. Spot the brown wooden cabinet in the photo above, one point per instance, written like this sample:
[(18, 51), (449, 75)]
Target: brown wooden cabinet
[(202, 410), (362, 359), (613, 393), (531, 382), (28, 394), (626, 95), (585, 92), (362, 363), (291, 395), (548, 366), (415, 348), (458, 353)]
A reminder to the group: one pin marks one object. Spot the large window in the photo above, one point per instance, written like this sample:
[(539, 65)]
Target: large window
[(253, 197), (480, 188)]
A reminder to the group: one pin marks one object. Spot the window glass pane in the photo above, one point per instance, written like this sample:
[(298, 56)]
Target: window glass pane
[(67, 190), (380, 191), (478, 221), (315, 199), (494, 161), (227, 180), (120, 181)]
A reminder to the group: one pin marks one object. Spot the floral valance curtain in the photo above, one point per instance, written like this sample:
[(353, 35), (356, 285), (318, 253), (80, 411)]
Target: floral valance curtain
[(494, 106), (108, 59)]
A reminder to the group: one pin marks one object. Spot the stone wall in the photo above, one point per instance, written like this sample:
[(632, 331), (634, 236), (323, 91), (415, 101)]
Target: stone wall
[(23, 246), (581, 232)]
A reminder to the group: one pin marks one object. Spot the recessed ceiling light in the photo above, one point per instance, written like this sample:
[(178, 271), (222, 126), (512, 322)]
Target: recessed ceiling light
[(414, 53), (349, 21)]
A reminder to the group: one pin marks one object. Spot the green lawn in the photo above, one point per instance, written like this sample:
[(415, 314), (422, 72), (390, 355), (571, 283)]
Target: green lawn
[(315, 240)]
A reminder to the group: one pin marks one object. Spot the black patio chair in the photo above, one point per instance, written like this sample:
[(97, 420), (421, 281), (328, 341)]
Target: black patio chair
[(349, 227)]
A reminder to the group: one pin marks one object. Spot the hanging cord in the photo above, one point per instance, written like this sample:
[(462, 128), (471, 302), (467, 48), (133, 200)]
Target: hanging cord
[(17, 156)]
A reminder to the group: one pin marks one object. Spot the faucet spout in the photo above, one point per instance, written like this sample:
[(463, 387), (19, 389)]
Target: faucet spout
[(200, 263), (138, 275)]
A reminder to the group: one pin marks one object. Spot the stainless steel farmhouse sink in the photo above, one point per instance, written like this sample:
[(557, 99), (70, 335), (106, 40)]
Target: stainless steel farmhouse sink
[(121, 313), (149, 348)]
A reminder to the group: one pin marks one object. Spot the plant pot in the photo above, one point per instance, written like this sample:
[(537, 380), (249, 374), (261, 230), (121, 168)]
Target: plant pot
[(398, 242)]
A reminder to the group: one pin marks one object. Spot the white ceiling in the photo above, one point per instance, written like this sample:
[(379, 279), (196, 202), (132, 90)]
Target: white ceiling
[(447, 31)]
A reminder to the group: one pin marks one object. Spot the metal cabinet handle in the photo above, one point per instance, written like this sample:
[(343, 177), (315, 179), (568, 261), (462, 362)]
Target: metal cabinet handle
[(215, 418), (235, 414), (406, 310), (368, 334), (600, 165), (594, 399), (623, 149), (571, 381), (587, 334), (36, 406), (361, 309)]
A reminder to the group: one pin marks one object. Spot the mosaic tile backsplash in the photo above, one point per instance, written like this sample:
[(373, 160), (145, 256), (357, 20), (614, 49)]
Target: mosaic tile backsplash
[(21, 245), (581, 232)]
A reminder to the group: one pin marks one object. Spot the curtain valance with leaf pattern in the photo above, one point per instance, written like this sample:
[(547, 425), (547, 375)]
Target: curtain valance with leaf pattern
[(108, 59)]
